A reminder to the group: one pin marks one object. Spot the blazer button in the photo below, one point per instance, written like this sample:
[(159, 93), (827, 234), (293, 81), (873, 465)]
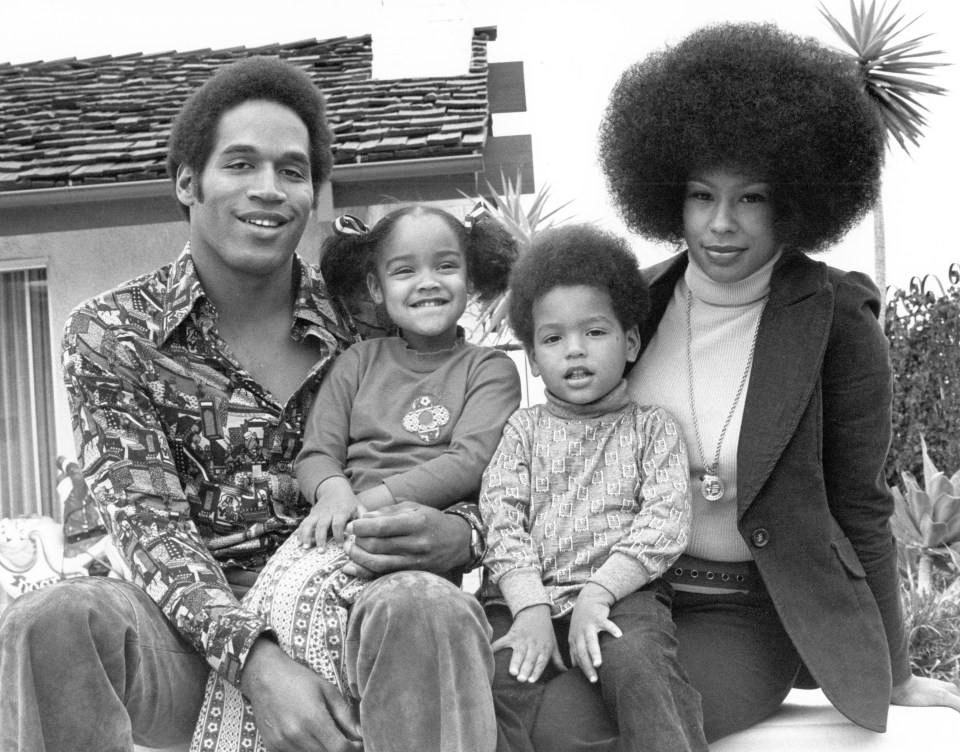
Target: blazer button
[(760, 537)]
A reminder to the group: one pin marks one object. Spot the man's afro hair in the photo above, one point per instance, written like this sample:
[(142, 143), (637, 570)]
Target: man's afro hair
[(194, 130)]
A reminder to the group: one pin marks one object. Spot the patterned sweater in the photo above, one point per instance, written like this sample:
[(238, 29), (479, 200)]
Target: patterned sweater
[(583, 493)]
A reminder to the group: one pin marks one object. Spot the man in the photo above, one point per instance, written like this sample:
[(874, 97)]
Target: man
[(188, 388)]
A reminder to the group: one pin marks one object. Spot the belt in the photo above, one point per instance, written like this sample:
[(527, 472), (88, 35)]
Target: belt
[(721, 575)]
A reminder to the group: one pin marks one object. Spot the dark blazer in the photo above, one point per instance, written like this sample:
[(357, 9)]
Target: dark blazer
[(813, 504)]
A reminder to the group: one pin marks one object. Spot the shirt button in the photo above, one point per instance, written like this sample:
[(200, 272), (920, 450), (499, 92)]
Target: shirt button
[(760, 537)]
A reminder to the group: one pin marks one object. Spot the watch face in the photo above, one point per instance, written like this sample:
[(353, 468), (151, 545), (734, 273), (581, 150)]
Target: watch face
[(476, 546)]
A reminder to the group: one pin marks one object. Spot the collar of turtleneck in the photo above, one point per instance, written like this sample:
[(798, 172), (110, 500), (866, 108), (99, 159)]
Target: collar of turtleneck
[(616, 399), (746, 291)]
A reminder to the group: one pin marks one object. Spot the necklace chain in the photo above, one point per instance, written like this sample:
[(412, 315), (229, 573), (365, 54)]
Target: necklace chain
[(714, 466)]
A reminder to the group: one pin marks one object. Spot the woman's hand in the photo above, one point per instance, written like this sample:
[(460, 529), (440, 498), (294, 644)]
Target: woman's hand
[(590, 617), (533, 642), (406, 536), (922, 691)]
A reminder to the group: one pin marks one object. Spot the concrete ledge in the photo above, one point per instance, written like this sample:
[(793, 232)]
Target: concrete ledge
[(807, 722)]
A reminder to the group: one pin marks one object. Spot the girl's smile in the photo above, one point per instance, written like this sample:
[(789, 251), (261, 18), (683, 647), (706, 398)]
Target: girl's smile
[(421, 279)]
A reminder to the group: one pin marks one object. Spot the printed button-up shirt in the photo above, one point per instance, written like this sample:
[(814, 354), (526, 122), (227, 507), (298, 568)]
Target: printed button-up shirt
[(190, 459)]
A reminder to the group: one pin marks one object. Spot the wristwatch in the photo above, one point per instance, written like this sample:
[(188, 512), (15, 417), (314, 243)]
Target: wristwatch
[(478, 542), (477, 548)]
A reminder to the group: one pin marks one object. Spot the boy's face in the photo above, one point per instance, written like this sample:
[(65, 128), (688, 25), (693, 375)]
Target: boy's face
[(257, 192), (579, 347)]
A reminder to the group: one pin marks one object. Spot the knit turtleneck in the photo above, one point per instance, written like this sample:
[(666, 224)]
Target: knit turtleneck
[(723, 320), (614, 400), (746, 291)]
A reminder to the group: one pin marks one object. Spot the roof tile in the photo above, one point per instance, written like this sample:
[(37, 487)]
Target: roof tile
[(107, 119)]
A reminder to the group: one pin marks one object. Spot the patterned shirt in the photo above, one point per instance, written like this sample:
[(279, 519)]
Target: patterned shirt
[(189, 459), (583, 493)]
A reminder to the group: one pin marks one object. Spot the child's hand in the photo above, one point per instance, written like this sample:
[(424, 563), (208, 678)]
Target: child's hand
[(590, 617), (533, 642), (376, 497), (335, 506)]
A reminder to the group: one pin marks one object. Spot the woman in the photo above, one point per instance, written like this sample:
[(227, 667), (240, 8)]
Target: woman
[(750, 148)]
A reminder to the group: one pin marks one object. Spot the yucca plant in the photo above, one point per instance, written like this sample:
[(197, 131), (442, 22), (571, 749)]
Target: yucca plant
[(927, 519), (892, 77), (488, 325)]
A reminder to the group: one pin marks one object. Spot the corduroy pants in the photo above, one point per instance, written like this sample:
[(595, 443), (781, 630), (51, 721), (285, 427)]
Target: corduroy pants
[(643, 700), (92, 664), (735, 652)]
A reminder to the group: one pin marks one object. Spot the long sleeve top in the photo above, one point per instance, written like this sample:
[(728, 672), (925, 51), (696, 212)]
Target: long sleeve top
[(424, 424), (583, 493), (190, 459)]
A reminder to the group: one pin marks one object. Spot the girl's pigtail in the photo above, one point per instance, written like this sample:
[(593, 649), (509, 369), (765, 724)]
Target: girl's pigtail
[(490, 250), (345, 258)]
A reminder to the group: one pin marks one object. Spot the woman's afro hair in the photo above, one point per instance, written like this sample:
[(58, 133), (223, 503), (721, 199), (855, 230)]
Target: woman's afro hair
[(194, 130), (488, 246), (754, 99), (571, 255)]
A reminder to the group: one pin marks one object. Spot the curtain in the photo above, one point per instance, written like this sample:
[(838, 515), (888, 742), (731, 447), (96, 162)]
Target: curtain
[(27, 459)]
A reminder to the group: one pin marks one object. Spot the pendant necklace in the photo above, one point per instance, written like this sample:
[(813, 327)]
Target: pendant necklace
[(711, 486)]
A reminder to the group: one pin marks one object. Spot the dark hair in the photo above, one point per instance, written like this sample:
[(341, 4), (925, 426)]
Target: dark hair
[(489, 248), (580, 254), (194, 130), (749, 97)]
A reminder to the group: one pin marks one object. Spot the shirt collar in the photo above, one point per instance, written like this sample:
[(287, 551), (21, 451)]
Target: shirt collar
[(182, 294), (312, 309)]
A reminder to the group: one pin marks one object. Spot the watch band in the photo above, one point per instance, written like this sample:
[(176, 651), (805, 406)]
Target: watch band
[(478, 541)]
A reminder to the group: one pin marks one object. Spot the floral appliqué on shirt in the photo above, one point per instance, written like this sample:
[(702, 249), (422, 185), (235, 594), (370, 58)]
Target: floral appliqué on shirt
[(426, 419)]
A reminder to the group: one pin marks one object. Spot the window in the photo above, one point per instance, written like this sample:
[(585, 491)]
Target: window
[(27, 453)]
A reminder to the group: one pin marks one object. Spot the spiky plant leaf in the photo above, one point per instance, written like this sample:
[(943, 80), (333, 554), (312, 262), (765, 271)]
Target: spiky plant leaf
[(891, 70), (523, 224)]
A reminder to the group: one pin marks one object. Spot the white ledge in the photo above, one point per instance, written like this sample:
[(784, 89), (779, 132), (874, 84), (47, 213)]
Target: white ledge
[(807, 722)]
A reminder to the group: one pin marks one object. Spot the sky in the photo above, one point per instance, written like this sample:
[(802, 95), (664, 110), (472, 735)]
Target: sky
[(573, 52)]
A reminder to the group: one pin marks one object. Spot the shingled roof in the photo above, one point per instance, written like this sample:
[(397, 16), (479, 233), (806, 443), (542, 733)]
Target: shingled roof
[(107, 119)]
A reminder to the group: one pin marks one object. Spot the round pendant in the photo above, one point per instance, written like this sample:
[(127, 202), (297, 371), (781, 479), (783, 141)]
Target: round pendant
[(712, 487)]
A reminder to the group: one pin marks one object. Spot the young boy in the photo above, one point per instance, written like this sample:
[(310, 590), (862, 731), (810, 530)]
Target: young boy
[(585, 504)]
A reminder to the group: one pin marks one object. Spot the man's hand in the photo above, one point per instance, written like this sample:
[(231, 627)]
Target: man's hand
[(296, 709), (335, 506), (590, 617), (406, 536), (532, 639)]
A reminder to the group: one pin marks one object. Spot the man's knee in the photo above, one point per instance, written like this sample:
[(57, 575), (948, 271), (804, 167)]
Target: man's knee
[(421, 601), (66, 608)]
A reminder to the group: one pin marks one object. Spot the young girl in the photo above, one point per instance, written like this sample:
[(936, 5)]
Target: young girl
[(414, 417)]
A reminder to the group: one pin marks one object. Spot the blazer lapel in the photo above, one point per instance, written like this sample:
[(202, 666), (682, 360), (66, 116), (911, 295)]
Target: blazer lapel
[(662, 279), (791, 342)]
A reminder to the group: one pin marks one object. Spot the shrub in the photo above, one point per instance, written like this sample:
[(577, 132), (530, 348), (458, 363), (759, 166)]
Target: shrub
[(931, 620), (924, 332)]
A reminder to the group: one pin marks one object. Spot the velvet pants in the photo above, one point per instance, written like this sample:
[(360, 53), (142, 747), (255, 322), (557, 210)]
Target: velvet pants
[(92, 664), (735, 652)]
